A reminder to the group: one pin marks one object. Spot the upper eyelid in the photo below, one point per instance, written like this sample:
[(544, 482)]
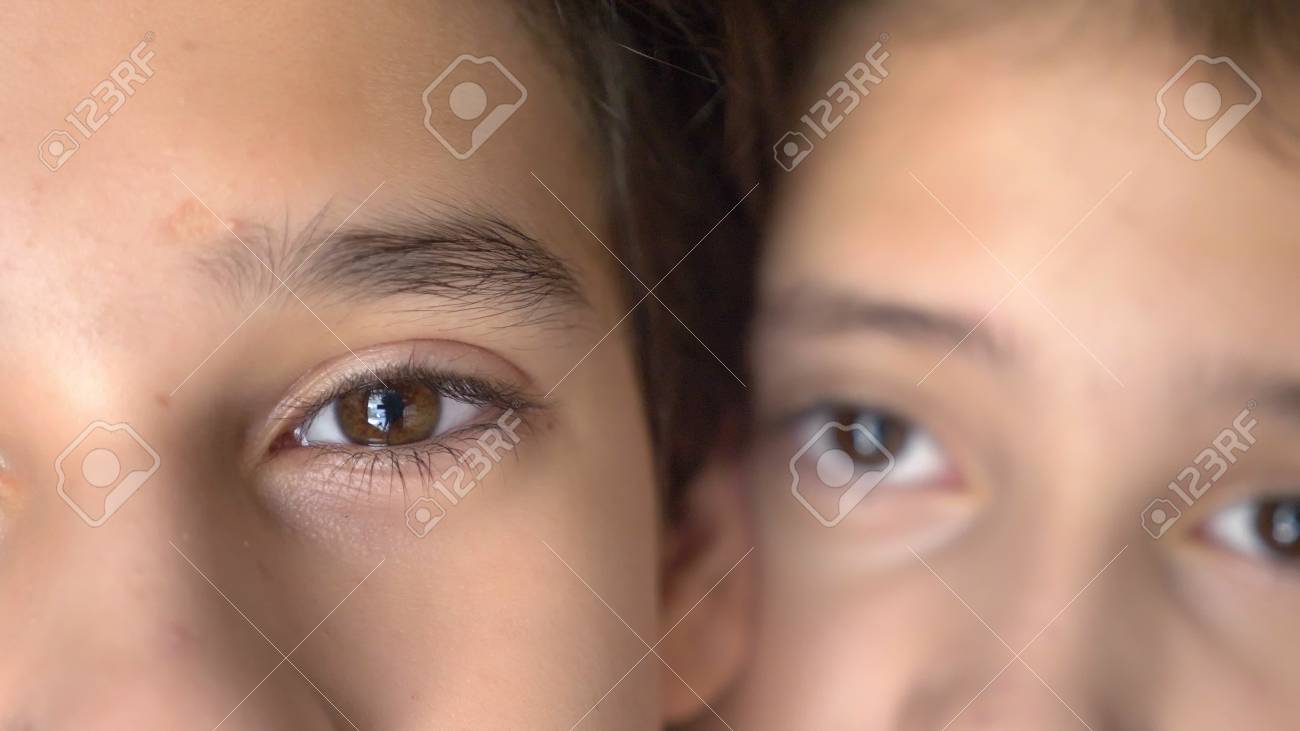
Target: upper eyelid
[(492, 393)]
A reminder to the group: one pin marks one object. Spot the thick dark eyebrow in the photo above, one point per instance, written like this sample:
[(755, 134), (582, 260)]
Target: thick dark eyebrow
[(469, 262), (805, 311)]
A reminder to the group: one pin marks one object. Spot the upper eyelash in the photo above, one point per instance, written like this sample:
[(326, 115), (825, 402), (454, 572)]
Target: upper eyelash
[(469, 389)]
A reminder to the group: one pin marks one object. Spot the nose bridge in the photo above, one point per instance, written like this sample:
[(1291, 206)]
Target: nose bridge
[(1059, 572), (90, 612), (106, 617)]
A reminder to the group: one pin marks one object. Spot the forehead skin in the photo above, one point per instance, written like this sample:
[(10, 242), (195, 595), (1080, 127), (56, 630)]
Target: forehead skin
[(259, 116), (268, 113), (1020, 129)]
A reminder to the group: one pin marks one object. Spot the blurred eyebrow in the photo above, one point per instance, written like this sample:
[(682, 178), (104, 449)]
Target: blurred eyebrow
[(805, 311), (470, 262), (1278, 395)]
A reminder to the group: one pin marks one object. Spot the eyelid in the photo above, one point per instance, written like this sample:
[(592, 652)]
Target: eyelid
[(461, 388), (921, 461), (451, 368)]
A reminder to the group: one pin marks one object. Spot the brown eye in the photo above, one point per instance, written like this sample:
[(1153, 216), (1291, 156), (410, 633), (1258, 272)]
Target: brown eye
[(1278, 524), (889, 431), (399, 413)]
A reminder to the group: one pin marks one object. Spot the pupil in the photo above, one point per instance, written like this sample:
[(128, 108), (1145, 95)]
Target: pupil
[(384, 409), (1284, 525), (885, 429)]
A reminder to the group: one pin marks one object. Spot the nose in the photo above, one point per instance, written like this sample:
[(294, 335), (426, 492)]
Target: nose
[(113, 625), (1032, 635)]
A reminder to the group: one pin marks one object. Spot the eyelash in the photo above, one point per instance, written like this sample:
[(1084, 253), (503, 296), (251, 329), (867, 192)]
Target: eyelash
[(920, 444), (471, 390)]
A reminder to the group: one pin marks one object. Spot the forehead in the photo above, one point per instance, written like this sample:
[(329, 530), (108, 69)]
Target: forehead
[(264, 115), (988, 153)]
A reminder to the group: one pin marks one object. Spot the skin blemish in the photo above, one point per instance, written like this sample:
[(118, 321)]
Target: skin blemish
[(181, 636), (190, 222)]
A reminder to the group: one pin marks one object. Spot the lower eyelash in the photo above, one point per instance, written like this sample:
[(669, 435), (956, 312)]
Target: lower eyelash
[(400, 459)]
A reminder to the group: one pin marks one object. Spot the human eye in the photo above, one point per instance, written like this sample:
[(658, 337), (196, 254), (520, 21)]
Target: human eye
[(1265, 528), (872, 440), (396, 415), (397, 409)]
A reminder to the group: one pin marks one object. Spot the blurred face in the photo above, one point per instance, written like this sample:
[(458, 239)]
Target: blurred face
[(306, 423), (1056, 352)]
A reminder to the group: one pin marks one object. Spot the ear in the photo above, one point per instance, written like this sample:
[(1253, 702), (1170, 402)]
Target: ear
[(708, 590)]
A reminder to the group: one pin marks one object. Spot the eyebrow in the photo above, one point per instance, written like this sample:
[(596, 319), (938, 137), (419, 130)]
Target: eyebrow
[(471, 262), (805, 311)]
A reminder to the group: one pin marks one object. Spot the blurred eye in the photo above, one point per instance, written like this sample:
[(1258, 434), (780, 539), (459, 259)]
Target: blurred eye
[(386, 415), (1264, 528), (918, 458)]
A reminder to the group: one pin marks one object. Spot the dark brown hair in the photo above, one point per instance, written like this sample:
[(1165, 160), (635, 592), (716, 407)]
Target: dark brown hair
[(648, 73)]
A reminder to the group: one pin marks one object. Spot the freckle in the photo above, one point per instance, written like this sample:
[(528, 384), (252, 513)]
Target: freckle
[(181, 636), (189, 223), (189, 45)]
